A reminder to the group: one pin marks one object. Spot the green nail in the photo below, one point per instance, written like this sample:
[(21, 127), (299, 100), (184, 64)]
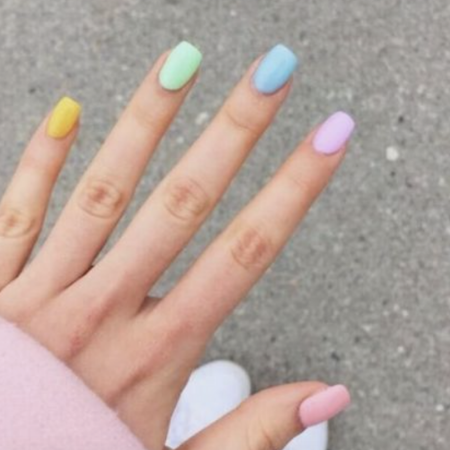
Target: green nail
[(180, 66)]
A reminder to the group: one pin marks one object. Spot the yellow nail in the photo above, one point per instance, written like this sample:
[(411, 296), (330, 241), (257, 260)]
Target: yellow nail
[(64, 117)]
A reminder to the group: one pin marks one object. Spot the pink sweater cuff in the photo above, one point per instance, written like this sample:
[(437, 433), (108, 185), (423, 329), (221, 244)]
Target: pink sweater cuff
[(45, 406)]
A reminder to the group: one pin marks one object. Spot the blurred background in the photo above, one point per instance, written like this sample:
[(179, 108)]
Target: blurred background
[(362, 294)]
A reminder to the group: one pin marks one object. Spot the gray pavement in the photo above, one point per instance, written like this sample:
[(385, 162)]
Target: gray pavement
[(362, 293)]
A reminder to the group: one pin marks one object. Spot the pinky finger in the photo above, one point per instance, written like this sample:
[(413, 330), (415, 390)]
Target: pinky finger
[(25, 202), (272, 418)]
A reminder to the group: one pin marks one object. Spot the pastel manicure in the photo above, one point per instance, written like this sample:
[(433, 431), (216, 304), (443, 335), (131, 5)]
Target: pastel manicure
[(180, 66), (275, 69), (63, 118), (324, 405), (334, 133)]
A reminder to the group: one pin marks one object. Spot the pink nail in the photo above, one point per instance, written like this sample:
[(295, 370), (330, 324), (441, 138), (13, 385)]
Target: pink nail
[(334, 133), (324, 405)]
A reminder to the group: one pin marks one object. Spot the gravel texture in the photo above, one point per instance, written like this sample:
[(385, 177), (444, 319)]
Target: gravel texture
[(362, 294)]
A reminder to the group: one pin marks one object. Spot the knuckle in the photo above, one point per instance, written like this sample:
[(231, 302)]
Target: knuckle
[(73, 345), (250, 248), (258, 434), (304, 183), (186, 200), (42, 166), (186, 325), (171, 341), (101, 198), (15, 223), (249, 122), (80, 331), (266, 439), (145, 116)]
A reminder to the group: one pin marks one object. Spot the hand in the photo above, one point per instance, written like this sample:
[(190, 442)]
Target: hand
[(136, 351)]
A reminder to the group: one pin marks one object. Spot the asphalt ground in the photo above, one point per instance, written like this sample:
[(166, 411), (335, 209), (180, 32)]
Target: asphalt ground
[(361, 294)]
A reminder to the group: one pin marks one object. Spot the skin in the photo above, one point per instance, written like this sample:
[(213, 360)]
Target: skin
[(135, 351)]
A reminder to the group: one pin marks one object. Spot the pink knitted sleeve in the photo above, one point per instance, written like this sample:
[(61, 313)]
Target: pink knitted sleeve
[(44, 406)]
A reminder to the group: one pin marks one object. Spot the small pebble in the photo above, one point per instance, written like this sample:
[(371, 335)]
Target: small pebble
[(201, 118), (392, 154)]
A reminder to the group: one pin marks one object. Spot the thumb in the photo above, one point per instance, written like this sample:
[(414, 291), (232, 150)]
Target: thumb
[(271, 419)]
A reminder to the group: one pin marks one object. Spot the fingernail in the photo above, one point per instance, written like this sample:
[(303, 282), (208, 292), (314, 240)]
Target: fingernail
[(324, 405), (275, 69), (64, 117), (180, 66), (334, 133)]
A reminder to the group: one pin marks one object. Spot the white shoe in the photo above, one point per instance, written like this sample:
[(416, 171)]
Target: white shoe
[(213, 391), (314, 438)]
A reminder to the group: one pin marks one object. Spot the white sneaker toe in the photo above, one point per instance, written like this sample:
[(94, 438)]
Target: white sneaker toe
[(213, 391), (314, 438)]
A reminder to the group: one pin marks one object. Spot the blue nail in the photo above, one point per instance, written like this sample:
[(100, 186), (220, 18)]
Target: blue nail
[(275, 69)]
